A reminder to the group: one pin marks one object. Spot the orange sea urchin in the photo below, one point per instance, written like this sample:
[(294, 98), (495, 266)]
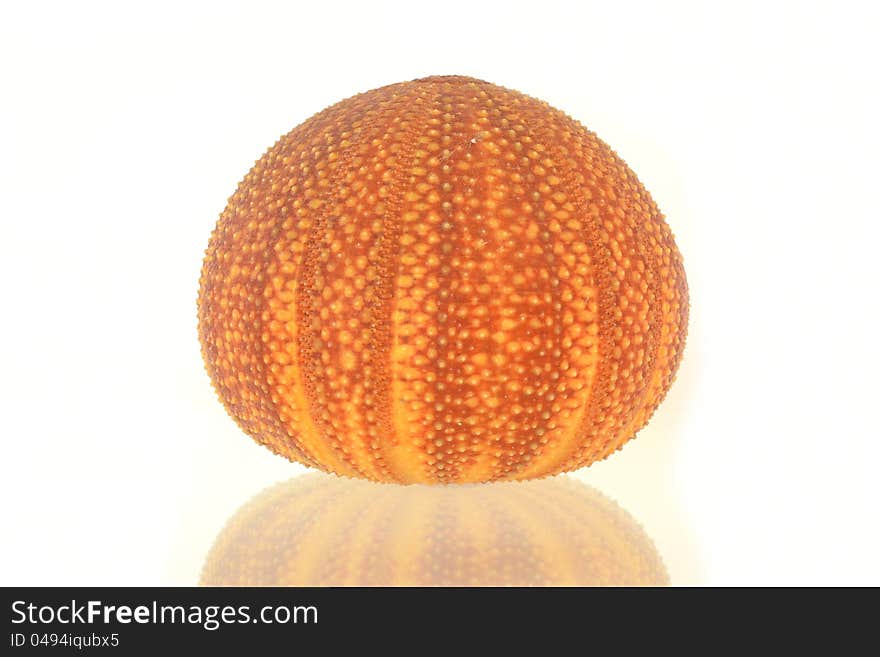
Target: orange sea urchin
[(442, 281)]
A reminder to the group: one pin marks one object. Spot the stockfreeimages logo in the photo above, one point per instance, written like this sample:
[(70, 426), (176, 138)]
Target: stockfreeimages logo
[(210, 617)]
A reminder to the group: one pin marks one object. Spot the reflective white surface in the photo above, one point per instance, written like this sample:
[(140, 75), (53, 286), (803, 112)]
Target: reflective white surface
[(122, 134), (321, 530)]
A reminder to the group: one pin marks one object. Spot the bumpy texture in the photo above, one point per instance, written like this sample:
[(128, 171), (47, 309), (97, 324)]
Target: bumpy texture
[(317, 530), (442, 281)]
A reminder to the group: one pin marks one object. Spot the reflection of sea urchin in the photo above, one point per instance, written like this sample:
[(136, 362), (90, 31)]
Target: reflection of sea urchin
[(324, 531), (442, 281)]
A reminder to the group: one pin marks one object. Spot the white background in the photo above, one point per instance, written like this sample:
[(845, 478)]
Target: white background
[(123, 131)]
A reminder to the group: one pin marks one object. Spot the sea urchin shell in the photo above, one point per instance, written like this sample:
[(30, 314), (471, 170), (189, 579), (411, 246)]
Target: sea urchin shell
[(443, 281)]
